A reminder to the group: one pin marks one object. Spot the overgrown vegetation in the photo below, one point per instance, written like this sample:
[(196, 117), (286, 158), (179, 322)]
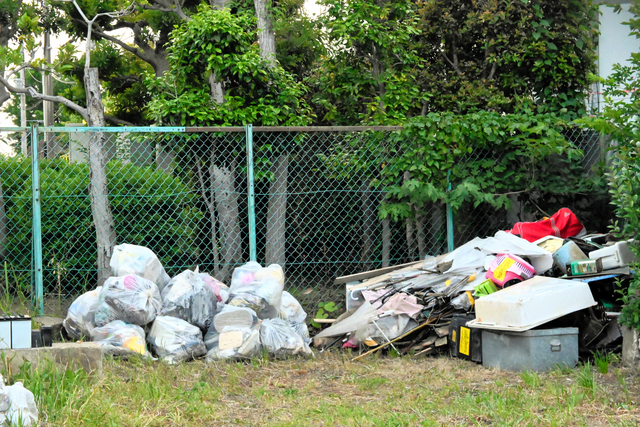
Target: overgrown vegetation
[(140, 196), (618, 121), (328, 390)]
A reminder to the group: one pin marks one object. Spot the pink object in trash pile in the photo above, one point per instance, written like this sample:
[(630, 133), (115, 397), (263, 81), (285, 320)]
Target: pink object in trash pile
[(506, 268)]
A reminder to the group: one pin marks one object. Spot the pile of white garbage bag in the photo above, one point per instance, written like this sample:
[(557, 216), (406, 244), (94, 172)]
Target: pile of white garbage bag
[(191, 315), (17, 405)]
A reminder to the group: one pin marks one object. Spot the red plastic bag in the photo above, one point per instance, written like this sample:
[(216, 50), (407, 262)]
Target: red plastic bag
[(562, 224)]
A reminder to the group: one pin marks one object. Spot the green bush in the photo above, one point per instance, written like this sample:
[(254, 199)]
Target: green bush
[(150, 208)]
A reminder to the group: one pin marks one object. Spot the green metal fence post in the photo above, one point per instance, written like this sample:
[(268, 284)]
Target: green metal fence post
[(253, 255), (450, 241), (36, 222)]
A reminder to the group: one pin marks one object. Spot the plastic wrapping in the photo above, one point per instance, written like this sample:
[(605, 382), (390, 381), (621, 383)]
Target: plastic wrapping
[(130, 298), (189, 298), (464, 301), (220, 290), (120, 339), (291, 310), (233, 343), (388, 327), (80, 319), (174, 340), (133, 259), (257, 288), (280, 340), (22, 411)]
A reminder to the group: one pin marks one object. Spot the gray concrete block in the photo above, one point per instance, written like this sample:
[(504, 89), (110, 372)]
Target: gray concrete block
[(84, 355)]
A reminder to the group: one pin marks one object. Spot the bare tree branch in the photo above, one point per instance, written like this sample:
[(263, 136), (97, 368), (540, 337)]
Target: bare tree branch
[(36, 95), (117, 121)]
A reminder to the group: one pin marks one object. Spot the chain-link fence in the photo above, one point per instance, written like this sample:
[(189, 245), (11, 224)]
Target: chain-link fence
[(306, 198)]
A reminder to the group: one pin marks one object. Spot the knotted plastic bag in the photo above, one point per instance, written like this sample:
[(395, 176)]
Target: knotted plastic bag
[(130, 298), (133, 259), (80, 319), (281, 340), (174, 340), (257, 288), (120, 339), (189, 297)]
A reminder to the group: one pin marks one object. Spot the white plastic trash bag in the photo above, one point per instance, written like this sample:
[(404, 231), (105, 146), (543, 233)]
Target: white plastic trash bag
[(291, 310), (5, 401), (133, 259), (80, 319), (281, 340), (120, 339), (129, 298), (230, 316), (189, 298), (257, 288), (174, 340), (233, 343), (23, 410), (220, 290)]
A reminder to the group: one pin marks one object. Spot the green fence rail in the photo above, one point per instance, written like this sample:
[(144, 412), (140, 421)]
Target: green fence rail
[(307, 198)]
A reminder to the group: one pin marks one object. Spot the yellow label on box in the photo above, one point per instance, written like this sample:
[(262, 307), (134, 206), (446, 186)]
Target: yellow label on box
[(465, 339), (501, 271)]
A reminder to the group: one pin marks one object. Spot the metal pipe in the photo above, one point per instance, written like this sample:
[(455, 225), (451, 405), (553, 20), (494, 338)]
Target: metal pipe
[(251, 202), (37, 223)]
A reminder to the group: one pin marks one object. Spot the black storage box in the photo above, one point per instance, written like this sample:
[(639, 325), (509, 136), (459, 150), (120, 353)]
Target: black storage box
[(464, 342)]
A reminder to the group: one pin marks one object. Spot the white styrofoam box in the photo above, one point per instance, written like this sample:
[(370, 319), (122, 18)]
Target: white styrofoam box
[(5, 333), (531, 303), (20, 332), (614, 256)]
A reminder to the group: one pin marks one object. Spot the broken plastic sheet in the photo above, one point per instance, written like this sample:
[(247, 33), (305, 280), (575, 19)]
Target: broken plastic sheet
[(399, 303), (360, 317), (471, 256), (387, 328)]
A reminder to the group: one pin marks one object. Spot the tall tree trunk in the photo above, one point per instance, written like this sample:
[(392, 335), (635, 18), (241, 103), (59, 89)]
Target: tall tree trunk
[(386, 242), (277, 212), (368, 218), (410, 226), (98, 190), (436, 228), (228, 214), (266, 35), (422, 247), (3, 225), (209, 201)]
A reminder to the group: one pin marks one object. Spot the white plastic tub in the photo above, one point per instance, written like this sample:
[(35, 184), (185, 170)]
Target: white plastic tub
[(531, 303)]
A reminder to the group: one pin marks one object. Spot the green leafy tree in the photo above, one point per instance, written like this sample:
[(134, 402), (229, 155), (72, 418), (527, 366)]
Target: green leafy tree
[(618, 120)]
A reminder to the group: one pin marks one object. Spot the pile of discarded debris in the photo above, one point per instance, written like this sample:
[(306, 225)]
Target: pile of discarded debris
[(541, 294), (191, 315)]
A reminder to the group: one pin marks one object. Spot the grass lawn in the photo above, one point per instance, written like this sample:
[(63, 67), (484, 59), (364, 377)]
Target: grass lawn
[(331, 391)]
